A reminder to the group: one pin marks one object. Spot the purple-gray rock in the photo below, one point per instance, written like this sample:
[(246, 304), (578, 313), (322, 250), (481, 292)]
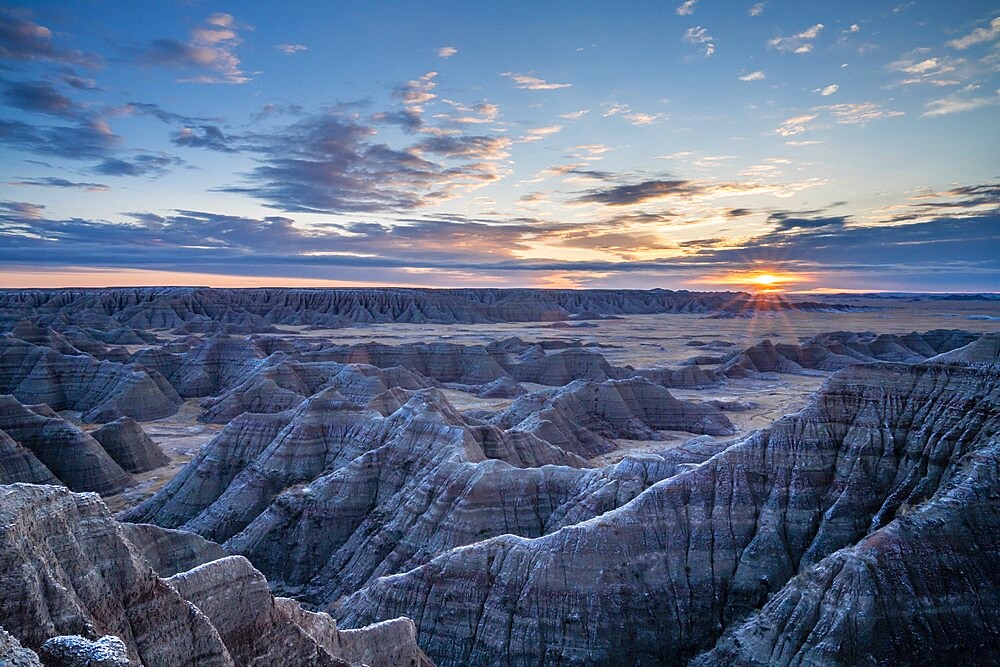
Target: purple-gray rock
[(129, 445)]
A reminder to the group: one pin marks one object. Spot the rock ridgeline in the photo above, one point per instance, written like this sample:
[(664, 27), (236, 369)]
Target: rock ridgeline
[(38, 446), (861, 530), (172, 307), (76, 591), (584, 417), (101, 390), (386, 491), (839, 349)]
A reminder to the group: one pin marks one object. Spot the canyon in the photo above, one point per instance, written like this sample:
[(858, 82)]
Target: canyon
[(193, 476)]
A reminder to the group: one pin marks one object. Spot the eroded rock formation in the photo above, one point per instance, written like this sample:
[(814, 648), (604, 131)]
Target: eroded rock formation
[(839, 349), (129, 445), (76, 590), (71, 456), (170, 307), (663, 577), (101, 390)]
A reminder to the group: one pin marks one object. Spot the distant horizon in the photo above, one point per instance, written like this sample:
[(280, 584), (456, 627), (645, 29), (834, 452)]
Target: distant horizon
[(693, 145), (874, 293)]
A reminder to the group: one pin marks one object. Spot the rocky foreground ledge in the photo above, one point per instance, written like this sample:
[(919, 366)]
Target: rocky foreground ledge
[(75, 590)]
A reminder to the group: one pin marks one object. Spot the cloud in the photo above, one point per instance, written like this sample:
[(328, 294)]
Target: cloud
[(937, 71), (21, 39), (699, 35), (795, 125), (54, 182), (957, 246), (539, 133), (799, 43), (756, 10), (955, 104), (39, 97), (687, 8), (447, 51), (757, 75), (630, 194), (828, 90), (417, 92), (410, 120), (860, 113), (140, 165), (532, 83), (209, 55), (977, 36), (87, 139), (638, 118), (291, 49), (210, 137), (329, 162), (574, 115), (22, 209)]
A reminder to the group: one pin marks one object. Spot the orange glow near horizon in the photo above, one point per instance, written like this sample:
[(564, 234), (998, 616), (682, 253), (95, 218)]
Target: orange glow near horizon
[(761, 281)]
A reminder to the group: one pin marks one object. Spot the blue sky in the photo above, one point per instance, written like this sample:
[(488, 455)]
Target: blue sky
[(848, 145)]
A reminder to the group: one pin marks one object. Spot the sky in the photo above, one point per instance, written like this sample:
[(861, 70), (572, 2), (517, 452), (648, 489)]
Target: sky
[(683, 145)]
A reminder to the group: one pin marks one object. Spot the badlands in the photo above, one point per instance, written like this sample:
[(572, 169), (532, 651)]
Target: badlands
[(193, 476)]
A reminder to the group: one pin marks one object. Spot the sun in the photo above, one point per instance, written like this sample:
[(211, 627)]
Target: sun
[(766, 279)]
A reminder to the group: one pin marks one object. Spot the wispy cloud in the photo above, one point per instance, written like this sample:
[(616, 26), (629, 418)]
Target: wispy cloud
[(859, 113), (209, 54), (539, 133), (687, 8), (639, 118), (22, 39), (39, 97), (447, 51), (826, 91), (55, 182), (756, 10), (290, 49), (795, 125), (757, 75), (533, 83), (977, 36), (699, 35), (799, 43), (574, 115), (935, 71), (146, 164), (330, 162), (956, 104)]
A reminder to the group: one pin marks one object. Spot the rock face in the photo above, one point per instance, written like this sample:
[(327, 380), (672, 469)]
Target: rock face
[(984, 351), (836, 494), (584, 417), (67, 453), (839, 349), (77, 651), (384, 494), (171, 551), (214, 364), (235, 598), (688, 377), (65, 569), (129, 445), (74, 588), (19, 464), (281, 384), (170, 307), (102, 390), (12, 654), (503, 387)]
